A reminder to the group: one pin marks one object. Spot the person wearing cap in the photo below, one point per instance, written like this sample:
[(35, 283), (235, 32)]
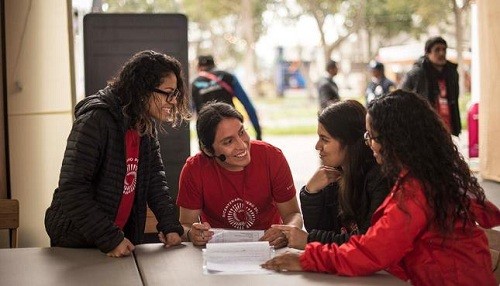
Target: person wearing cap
[(221, 86), (328, 91), (379, 84), (436, 79)]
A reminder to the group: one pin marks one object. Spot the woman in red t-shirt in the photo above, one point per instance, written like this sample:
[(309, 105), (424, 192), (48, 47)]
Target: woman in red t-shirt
[(233, 182)]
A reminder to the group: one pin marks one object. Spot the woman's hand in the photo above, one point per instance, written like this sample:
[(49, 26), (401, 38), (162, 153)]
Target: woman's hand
[(199, 233), (275, 237), (297, 238), (286, 262), (324, 176), (125, 248), (171, 239)]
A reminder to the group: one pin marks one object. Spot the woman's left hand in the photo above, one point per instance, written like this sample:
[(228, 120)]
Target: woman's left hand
[(170, 239), (296, 237), (286, 262), (275, 237)]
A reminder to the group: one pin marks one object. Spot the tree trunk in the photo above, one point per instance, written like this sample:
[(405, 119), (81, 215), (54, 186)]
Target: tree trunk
[(458, 13), (249, 59), (96, 6)]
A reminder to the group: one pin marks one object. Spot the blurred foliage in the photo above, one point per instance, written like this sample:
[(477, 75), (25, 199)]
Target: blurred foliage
[(388, 18), (141, 6), (345, 12), (382, 19), (464, 103), (215, 26)]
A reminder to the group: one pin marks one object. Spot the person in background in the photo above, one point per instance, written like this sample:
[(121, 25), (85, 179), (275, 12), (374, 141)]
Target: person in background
[(341, 197), (233, 182), (217, 85), (436, 79), (379, 84), (427, 229), (112, 166), (328, 91)]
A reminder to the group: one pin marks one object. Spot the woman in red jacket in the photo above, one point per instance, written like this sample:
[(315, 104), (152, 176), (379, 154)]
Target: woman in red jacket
[(425, 231)]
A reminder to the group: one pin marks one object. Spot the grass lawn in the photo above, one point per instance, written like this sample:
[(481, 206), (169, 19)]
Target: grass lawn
[(295, 113)]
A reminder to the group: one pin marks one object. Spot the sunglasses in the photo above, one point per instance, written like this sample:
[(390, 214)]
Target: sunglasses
[(171, 95)]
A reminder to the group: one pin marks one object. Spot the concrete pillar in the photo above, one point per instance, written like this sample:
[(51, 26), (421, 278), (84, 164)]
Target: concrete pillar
[(488, 30), (40, 92)]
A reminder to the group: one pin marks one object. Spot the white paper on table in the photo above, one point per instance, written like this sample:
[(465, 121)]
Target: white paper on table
[(234, 235), (237, 258)]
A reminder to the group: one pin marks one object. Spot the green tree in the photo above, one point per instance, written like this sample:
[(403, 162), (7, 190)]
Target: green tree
[(381, 20), (460, 8), (386, 19), (137, 6), (348, 17), (228, 29)]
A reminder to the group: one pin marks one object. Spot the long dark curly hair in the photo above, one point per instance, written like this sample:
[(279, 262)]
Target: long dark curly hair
[(413, 136), (345, 121), (134, 85)]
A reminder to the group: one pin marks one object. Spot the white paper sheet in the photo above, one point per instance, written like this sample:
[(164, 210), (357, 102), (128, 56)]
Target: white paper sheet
[(236, 258), (233, 235)]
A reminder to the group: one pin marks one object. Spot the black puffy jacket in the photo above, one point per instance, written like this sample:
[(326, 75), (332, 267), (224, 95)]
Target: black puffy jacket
[(420, 81), (85, 204)]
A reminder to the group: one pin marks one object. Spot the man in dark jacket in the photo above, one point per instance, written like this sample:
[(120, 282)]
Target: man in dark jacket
[(328, 91), (217, 85), (436, 79)]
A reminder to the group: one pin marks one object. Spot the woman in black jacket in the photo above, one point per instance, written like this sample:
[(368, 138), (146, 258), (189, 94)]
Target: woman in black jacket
[(342, 195), (112, 166)]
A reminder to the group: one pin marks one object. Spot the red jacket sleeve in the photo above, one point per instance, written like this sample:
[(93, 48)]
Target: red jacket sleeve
[(385, 243), (487, 216)]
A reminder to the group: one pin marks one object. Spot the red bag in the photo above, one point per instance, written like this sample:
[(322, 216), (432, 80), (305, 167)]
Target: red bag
[(473, 126)]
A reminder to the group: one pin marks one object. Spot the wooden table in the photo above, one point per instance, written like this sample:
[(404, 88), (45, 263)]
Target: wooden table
[(65, 266), (182, 265)]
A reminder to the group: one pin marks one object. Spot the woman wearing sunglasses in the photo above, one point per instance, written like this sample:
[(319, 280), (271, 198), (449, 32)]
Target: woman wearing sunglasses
[(112, 166)]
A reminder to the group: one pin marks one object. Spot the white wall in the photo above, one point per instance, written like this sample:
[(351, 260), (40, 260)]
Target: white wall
[(488, 30), (40, 90)]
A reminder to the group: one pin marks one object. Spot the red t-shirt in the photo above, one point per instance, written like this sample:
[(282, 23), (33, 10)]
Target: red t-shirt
[(442, 106), (238, 200), (132, 144)]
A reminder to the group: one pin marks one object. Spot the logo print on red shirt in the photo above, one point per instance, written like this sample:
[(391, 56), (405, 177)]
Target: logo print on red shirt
[(240, 214), (131, 177)]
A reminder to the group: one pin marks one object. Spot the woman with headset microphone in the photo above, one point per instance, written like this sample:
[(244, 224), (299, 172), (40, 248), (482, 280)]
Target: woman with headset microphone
[(235, 182)]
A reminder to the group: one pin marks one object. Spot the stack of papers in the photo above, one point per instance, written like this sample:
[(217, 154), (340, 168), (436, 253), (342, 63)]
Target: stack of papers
[(236, 257)]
